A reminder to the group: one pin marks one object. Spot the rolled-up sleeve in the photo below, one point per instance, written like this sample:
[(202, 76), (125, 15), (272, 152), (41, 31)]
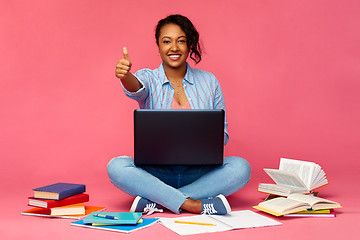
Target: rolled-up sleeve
[(144, 76)]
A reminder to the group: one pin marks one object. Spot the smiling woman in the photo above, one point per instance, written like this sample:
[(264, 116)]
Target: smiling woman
[(174, 51), (176, 85), (186, 26)]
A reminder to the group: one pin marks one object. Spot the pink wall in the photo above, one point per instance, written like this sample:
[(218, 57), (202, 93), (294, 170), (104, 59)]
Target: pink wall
[(290, 72)]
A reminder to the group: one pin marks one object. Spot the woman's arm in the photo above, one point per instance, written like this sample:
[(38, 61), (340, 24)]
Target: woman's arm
[(129, 81)]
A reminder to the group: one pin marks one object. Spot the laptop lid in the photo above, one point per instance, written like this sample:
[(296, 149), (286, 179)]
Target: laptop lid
[(178, 137)]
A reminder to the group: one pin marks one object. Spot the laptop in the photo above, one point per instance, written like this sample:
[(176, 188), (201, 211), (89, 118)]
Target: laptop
[(178, 137)]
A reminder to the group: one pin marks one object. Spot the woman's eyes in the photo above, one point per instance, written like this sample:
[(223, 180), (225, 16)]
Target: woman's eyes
[(179, 41)]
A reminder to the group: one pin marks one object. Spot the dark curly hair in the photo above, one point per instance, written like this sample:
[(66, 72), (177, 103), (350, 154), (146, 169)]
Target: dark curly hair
[(192, 35)]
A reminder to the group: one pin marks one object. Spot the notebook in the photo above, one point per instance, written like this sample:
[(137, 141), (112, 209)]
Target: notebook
[(123, 217), (217, 223), (118, 228), (178, 137)]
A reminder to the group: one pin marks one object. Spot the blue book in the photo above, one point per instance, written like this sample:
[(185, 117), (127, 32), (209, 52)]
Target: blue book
[(119, 217), (125, 228), (58, 191)]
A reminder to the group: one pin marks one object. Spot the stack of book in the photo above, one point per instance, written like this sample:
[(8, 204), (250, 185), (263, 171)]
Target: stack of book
[(293, 194), (63, 200), (116, 221)]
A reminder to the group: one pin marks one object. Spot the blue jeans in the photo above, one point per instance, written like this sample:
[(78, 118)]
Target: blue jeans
[(170, 186)]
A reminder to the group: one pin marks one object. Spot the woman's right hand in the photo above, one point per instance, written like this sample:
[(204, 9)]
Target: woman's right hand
[(124, 66), (122, 71)]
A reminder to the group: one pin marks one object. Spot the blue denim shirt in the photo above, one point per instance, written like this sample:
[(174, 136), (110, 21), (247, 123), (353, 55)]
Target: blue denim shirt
[(202, 90)]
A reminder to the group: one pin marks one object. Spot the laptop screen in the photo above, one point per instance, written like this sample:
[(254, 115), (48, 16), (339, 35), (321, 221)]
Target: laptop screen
[(178, 137)]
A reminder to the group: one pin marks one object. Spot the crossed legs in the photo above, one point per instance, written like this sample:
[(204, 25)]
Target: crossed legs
[(179, 187)]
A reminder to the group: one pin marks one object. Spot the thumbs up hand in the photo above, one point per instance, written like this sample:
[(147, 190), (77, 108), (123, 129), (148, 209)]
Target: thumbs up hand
[(124, 66), (129, 81)]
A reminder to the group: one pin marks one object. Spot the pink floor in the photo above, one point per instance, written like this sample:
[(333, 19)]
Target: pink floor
[(342, 188)]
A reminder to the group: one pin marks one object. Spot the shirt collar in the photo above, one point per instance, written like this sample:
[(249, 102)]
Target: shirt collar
[(188, 76)]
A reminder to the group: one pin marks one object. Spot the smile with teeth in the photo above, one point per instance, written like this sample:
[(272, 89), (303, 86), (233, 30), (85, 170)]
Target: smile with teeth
[(174, 56)]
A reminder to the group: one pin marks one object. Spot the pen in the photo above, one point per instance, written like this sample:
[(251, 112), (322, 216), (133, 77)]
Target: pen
[(105, 216), (197, 223)]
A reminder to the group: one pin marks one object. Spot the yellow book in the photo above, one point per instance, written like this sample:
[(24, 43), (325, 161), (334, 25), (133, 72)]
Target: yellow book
[(315, 213), (320, 211)]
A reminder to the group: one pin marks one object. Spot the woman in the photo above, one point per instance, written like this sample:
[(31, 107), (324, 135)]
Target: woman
[(175, 85)]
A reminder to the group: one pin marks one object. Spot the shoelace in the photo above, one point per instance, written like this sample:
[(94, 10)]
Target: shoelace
[(151, 208), (209, 209)]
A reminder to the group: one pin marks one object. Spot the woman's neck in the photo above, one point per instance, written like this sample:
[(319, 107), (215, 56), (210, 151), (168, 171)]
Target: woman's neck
[(175, 74)]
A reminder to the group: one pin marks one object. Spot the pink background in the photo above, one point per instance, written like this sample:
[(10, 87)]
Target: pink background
[(289, 70)]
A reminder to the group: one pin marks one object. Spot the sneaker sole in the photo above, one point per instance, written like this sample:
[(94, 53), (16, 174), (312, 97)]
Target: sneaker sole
[(225, 202), (135, 203)]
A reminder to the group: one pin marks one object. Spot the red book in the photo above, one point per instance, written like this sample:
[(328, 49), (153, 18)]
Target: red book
[(47, 203)]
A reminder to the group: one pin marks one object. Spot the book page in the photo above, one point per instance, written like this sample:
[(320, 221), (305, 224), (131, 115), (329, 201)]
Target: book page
[(305, 170), (281, 190), (312, 200), (187, 229), (320, 180), (304, 198), (284, 205), (286, 178), (245, 219)]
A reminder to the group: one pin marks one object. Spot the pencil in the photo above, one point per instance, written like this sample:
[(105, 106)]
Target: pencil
[(197, 223)]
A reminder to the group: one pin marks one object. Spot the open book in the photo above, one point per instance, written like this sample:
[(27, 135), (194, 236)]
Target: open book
[(296, 202), (294, 176)]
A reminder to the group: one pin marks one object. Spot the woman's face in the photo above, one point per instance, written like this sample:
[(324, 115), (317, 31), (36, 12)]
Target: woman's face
[(172, 46)]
